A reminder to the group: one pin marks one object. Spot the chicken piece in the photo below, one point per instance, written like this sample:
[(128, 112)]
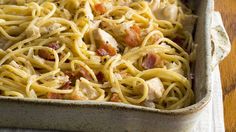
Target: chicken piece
[(88, 91), (155, 89), (102, 37), (95, 24), (106, 44), (88, 11), (169, 12)]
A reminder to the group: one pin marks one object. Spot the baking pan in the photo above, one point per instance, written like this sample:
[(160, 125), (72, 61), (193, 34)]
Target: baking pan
[(107, 116)]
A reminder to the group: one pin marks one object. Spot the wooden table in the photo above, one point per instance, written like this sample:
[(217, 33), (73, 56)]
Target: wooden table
[(228, 66)]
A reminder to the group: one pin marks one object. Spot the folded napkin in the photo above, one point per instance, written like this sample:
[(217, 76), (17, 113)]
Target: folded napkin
[(212, 119)]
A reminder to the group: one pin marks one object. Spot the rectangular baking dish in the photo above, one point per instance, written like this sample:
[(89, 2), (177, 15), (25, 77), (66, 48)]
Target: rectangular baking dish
[(106, 116)]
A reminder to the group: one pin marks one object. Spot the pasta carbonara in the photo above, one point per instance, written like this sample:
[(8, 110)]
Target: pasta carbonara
[(134, 52)]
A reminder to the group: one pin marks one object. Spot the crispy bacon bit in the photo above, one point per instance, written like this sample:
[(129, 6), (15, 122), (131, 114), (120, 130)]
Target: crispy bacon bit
[(133, 37), (115, 98), (106, 49), (54, 45), (74, 75), (67, 85), (84, 73), (136, 29), (100, 8), (151, 60), (100, 77), (46, 54), (54, 96)]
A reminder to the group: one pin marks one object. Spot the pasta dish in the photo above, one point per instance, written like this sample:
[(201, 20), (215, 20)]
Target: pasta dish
[(134, 52)]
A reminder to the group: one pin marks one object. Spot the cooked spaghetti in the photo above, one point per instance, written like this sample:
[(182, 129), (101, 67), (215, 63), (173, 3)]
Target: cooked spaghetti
[(118, 51)]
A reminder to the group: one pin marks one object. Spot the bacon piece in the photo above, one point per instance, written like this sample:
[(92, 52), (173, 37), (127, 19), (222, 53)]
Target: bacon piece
[(46, 54), (100, 8), (54, 96), (54, 45), (132, 37), (67, 85), (84, 73), (50, 95), (115, 98), (100, 77), (74, 75), (136, 29), (150, 61), (106, 49)]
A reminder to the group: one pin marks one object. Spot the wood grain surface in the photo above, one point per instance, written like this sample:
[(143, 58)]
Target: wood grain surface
[(228, 66)]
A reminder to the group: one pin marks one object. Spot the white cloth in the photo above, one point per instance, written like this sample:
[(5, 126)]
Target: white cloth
[(212, 119)]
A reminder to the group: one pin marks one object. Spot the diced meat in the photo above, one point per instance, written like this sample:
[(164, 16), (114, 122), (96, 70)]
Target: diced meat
[(67, 85), (95, 24), (100, 77), (54, 45), (100, 8), (151, 60), (170, 12), (84, 73), (106, 49), (155, 89), (136, 29), (132, 37), (74, 75), (88, 91), (115, 97), (54, 96), (102, 37), (88, 11), (46, 54)]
